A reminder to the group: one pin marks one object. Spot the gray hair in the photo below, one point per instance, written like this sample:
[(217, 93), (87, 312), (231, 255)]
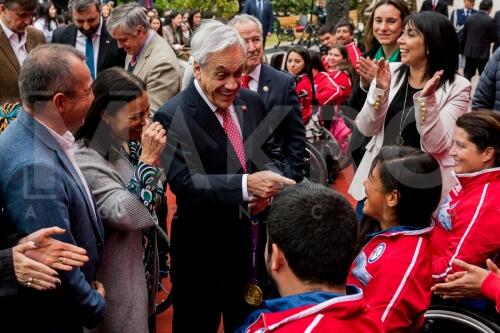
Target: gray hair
[(127, 17), (213, 36), (245, 18), (82, 5), (47, 71)]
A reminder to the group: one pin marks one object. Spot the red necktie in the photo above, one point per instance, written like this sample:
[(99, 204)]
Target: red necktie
[(245, 80), (234, 136)]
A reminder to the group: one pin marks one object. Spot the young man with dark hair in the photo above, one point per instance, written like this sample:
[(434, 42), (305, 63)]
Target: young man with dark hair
[(327, 36), (311, 241), (344, 32)]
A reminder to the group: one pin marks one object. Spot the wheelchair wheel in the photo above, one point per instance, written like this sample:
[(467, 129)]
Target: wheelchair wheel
[(448, 318), (315, 166), (164, 298)]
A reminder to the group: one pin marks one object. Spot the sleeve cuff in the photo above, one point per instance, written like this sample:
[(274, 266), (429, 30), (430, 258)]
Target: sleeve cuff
[(491, 287), (244, 187)]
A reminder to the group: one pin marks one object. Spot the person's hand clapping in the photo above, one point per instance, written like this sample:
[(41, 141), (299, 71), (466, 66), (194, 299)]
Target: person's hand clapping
[(153, 141), (431, 86), (465, 283), (383, 75), (265, 184), (367, 70)]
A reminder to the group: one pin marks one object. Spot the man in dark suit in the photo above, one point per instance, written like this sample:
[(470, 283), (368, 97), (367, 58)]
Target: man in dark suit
[(263, 10), (479, 33), (88, 34), (41, 186), (277, 90), (438, 6), (497, 23), (458, 18), (217, 146), (17, 39)]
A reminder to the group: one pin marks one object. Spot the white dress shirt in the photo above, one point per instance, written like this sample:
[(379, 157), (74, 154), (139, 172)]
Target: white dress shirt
[(67, 143), (17, 42), (219, 118), (255, 75)]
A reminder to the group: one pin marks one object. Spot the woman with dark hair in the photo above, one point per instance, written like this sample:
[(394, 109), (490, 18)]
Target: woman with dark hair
[(46, 19), (416, 103), (118, 154), (173, 30), (194, 19), (468, 220), (393, 268), (298, 64), (156, 25)]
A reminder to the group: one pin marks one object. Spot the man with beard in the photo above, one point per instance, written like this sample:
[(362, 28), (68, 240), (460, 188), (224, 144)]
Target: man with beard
[(88, 34)]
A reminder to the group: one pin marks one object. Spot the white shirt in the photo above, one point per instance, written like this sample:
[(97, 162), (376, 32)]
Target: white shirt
[(67, 143), (18, 45), (221, 121), (81, 43), (255, 75)]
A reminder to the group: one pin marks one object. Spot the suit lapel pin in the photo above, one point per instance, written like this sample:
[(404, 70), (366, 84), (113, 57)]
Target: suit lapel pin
[(107, 41), (244, 108), (265, 88)]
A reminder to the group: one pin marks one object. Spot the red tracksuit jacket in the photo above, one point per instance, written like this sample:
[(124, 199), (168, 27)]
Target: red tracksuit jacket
[(347, 313), (469, 223), (304, 85), (394, 271)]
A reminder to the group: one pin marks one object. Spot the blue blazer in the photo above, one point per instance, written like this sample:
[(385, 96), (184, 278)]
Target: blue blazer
[(40, 188), (277, 90), (265, 17)]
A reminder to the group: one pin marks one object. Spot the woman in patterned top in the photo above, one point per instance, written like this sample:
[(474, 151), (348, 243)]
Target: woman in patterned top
[(118, 154)]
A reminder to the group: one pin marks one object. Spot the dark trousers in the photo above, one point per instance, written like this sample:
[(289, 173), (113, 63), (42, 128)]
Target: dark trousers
[(199, 304), (473, 64)]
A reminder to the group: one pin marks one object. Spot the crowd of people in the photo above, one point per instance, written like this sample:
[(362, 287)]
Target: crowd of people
[(103, 113)]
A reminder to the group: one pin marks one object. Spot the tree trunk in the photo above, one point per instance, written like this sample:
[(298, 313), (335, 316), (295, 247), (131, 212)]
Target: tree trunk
[(337, 10)]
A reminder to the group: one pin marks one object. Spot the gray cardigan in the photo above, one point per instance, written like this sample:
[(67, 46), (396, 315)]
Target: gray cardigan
[(124, 216)]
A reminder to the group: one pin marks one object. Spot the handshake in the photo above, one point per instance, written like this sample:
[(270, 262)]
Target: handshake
[(264, 185)]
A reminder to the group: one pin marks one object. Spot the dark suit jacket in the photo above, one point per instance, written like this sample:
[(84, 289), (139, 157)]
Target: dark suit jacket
[(441, 7), (265, 17), (210, 226), (479, 33), (40, 188), (497, 23), (109, 53), (277, 90), (10, 67)]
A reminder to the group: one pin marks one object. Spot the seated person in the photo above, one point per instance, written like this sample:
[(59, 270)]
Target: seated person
[(297, 63), (311, 237), (393, 268), (469, 217)]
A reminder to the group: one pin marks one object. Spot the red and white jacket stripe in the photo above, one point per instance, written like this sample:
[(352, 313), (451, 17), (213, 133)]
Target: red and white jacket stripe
[(394, 271), (468, 223), (353, 53), (348, 313)]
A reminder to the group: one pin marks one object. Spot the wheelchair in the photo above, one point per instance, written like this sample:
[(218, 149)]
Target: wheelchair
[(445, 317), (324, 158)]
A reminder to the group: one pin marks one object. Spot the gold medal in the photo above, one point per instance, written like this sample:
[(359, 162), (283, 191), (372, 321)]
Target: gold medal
[(253, 294)]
